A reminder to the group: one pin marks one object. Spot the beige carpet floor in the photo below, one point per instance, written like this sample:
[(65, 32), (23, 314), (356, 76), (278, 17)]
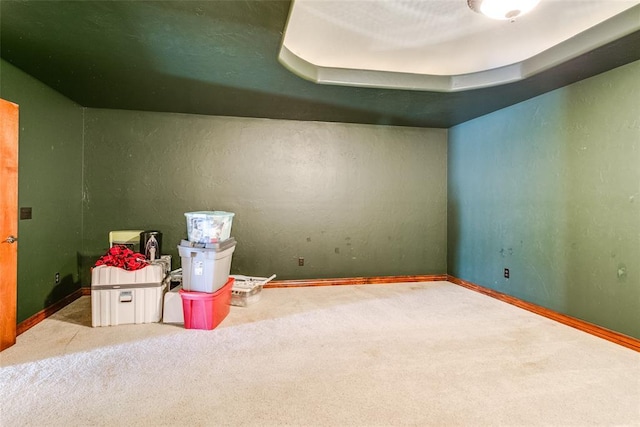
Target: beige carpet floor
[(422, 354)]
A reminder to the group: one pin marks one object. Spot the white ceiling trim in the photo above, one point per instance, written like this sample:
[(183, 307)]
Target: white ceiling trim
[(594, 37)]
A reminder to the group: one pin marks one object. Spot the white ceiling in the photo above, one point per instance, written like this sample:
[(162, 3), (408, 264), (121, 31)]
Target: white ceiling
[(442, 45)]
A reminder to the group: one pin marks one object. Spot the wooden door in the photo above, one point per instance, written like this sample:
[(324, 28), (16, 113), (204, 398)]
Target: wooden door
[(8, 222)]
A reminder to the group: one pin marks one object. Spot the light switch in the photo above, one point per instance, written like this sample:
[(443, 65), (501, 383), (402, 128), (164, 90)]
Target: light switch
[(25, 213)]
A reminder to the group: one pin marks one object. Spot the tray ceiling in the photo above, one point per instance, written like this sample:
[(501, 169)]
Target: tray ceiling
[(222, 58), (442, 45)]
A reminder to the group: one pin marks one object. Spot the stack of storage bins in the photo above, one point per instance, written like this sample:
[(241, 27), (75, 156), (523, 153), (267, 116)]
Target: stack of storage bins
[(206, 264)]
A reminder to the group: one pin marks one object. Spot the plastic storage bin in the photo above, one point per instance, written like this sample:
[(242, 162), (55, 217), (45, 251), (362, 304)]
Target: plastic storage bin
[(242, 296), (172, 309), (204, 310), (113, 305), (107, 275), (247, 289), (206, 270), (121, 297), (209, 226)]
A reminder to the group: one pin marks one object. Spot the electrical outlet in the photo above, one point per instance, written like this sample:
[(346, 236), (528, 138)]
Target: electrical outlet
[(57, 278), (300, 262), (506, 273)]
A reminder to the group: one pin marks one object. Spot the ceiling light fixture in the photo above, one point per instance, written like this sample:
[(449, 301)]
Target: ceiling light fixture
[(502, 9)]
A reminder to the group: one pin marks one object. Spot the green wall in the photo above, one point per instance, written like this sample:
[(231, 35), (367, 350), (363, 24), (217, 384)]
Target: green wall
[(49, 181), (353, 200), (550, 188)]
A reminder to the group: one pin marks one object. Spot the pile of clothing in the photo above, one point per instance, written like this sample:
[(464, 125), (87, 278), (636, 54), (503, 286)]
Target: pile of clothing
[(123, 257)]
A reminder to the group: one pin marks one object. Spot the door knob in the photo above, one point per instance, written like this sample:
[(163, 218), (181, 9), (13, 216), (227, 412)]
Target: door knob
[(11, 239)]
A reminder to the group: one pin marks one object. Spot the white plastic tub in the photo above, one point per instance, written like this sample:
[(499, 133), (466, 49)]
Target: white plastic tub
[(120, 297), (113, 305), (209, 226), (205, 270), (172, 311), (108, 275)]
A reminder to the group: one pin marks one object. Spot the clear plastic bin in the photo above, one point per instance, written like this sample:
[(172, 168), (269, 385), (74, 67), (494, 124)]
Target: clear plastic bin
[(209, 226), (243, 296), (247, 289)]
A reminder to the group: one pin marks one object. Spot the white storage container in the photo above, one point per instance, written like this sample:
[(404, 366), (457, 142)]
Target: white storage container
[(209, 226), (205, 270), (121, 297), (107, 275), (172, 311), (247, 289), (126, 303)]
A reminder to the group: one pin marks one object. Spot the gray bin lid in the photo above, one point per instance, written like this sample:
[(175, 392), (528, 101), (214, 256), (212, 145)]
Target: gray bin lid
[(218, 247), (126, 286)]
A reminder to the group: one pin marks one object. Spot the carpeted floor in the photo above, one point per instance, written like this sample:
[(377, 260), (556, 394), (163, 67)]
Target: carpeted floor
[(424, 354)]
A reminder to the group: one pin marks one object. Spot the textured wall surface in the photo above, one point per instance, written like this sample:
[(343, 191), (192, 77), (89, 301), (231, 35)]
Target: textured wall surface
[(50, 182), (550, 188), (353, 200)]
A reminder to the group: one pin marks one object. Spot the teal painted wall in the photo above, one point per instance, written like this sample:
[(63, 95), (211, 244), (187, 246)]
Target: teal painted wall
[(353, 200), (49, 181), (550, 188)]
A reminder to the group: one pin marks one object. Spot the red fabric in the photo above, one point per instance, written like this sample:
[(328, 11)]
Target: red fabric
[(123, 257)]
